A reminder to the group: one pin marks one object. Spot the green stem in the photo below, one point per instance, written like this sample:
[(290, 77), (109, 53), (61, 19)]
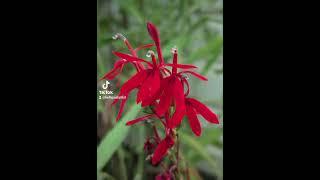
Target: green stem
[(122, 166), (177, 155)]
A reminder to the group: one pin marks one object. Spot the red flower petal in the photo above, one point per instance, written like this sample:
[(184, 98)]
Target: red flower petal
[(129, 85), (182, 66), (152, 100), (165, 97), (129, 123), (144, 47), (193, 120), (123, 102), (204, 111), (117, 68), (178, 96), (134, 82), (149, 88), (153, 32), (176, 118), (195, 74), (162, 149), (130, 58)]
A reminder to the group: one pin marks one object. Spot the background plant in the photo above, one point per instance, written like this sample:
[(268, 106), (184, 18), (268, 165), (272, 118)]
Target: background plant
[(195, 27)]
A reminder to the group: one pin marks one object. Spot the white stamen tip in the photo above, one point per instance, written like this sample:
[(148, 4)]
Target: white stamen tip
[(185, 76), (174, 49), (118, 36), (149, 53)]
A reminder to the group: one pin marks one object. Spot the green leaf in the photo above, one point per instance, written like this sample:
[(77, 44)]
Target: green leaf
[(198, 148), (215, 52), (100, 65), (132, 9), (179, 42), (111, 142), (212, 50)]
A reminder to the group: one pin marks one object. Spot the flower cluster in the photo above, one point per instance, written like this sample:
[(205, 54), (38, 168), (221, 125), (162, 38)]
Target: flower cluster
[(163, 91)]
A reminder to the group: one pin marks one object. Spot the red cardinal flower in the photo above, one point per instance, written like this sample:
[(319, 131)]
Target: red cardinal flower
[(173, 92), (164, 92), (164, 176), (195, 107), (162, 149), (147, 81), (119, 64), (150, 81)]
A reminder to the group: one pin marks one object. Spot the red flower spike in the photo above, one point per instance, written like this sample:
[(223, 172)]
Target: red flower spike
[(153, 32), (132, 122), (162, 149), (202, 109)]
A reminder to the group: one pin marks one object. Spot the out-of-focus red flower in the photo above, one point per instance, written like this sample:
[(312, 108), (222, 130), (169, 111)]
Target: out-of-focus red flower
[(173, 92), (167, 175), (162, 149), (164, 176), (148, 146), (149, 81)]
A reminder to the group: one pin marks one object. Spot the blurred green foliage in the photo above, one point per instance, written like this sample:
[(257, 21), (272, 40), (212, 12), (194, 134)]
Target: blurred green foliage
[(196, 29)]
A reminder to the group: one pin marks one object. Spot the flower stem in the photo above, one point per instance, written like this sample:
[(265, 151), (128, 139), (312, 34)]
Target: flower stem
[(177, 154), (156, 134)]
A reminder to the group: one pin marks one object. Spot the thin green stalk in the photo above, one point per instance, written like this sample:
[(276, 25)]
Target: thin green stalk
[(122, 166)]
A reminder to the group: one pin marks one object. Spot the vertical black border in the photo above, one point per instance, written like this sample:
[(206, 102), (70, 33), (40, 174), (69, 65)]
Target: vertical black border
[(51, 97), (268, 83)]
